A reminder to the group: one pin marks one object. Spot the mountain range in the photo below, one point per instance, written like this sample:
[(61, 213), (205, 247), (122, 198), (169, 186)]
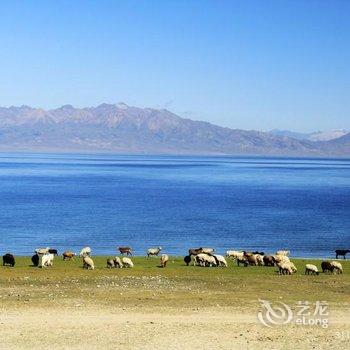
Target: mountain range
[(120, 128), (314, 136)]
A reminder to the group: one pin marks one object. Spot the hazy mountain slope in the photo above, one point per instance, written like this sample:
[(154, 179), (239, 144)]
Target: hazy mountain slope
[(314, 136), (340, 144), (289, 133), (327, 135), (121, 128)]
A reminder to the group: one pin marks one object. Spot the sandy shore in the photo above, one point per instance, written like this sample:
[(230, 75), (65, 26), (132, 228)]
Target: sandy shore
[(105, 328)]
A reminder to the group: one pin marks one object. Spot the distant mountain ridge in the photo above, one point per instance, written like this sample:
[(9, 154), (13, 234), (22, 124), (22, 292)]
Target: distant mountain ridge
[(314, 136), (121, 128)]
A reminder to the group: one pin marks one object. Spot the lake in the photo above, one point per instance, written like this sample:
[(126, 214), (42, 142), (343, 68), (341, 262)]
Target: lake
[(104, 201)]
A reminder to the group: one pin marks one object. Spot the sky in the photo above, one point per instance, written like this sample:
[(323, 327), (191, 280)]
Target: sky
[(241, 64)]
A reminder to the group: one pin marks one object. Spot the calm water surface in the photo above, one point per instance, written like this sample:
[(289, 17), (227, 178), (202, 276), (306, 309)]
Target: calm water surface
[(69, 201)]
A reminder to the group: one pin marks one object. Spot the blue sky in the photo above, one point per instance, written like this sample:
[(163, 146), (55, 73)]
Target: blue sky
[(241, 64)]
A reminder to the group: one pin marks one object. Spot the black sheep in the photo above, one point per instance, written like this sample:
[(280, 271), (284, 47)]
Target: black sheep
[(341, 252), (53, 251), (187, 259), (260, 253), (35, 260), (8, 259), (327, 266)]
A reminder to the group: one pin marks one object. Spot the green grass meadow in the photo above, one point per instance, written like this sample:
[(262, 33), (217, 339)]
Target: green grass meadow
[(66, 283)]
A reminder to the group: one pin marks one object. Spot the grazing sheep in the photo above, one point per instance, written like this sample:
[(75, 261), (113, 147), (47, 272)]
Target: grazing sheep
[(311, 269), (88, 263), (269, 260), (117, 262), (85, 252), (280, 258), (251, 259), (46, 260), (236, 255), (199, 260), (337, 267), (220, 260), (127, 262), (259, 259), (153, 251), (205, 260), (35, 260), (125, 250), (163, 260), (42, 251), (68, 255), (187, 259), (341, 252), (53, 251), (195, 251), (326, 266), (233, 254), (286, 268), (8, 259), (242, 260), (294, 268), (110, 263), (283, 252)]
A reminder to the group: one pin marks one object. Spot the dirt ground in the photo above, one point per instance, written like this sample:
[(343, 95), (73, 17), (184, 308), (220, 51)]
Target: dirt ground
[(208, 328)]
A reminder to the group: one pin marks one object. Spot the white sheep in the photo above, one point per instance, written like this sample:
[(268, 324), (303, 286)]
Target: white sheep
[(259, 259), (311, 269), (205, 260), (294, 268), (286, 268), (337, 267), (88, 263), (208, 250), (46, 260), (153, 251), (221, 261), (127, 262), (42, 251), (85, 252), (110, 263), (118, 262), (280, 258), (283, 252), (236, 255), (163, 260)]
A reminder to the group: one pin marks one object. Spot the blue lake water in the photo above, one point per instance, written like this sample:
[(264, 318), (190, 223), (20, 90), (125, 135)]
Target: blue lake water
[(104, 201)]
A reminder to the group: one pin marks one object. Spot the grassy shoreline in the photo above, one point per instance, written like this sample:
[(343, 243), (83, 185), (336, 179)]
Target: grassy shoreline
[(179, 286)]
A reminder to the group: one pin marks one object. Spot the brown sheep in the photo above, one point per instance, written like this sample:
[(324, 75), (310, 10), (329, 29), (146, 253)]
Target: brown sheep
[(195, 251), (251, 259), (68, 255), (125, 250), (269, 260), (326, 266)]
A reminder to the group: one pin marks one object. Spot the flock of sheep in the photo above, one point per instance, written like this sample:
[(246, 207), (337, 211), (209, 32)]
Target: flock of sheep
[(44, 257), (204, 257)]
